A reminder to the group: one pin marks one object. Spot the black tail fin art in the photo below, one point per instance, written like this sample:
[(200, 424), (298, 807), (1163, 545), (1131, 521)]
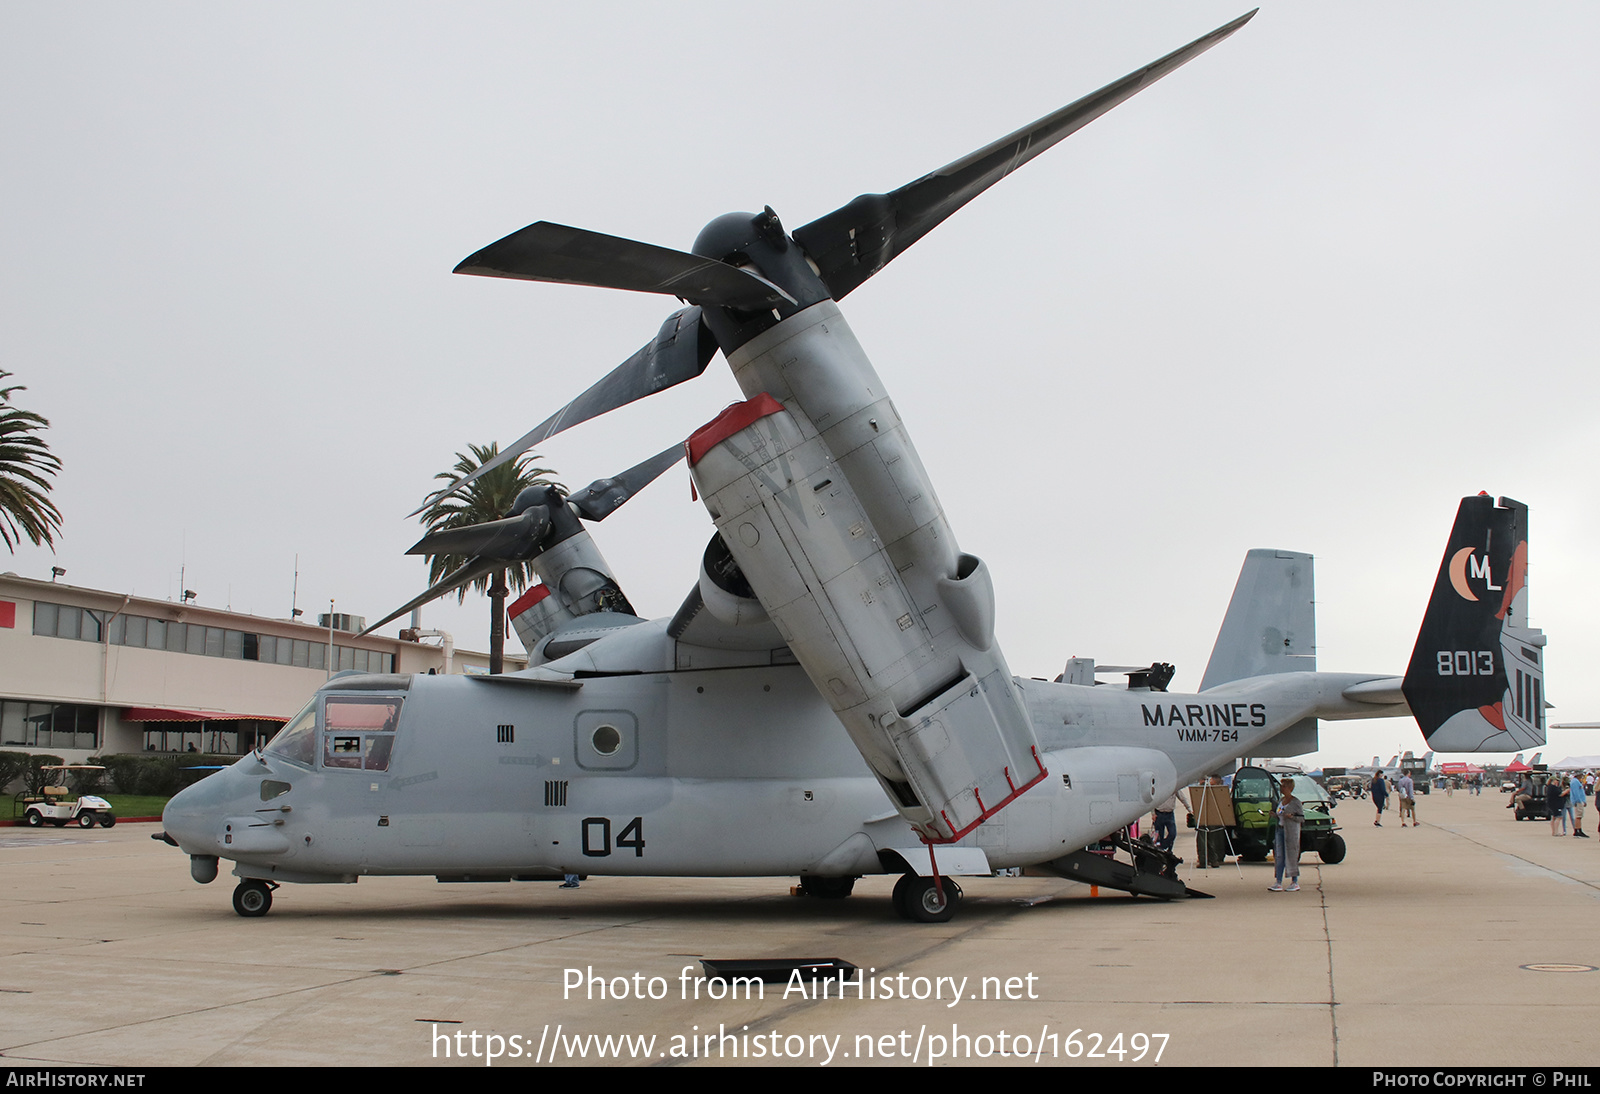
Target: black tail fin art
[(1476, 678)]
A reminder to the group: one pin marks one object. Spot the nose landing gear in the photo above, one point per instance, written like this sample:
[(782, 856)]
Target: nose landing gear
[(253, 897)]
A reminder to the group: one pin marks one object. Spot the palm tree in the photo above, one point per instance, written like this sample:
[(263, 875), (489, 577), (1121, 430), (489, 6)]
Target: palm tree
[(485, 499), (26, 465)]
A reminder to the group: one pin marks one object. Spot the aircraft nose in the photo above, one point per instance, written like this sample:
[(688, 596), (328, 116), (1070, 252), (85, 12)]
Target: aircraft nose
[(182, 821), (193, 816)]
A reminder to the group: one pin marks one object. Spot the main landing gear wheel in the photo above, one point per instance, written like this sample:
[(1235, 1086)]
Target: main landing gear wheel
[(252, 898), (85, 820), (916, 898)]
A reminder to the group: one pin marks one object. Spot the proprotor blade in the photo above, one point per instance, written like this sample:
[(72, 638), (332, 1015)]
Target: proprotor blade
[(601, 498), (507, 539), (576, 256), (680, 351), (854, 242), (473, 570)]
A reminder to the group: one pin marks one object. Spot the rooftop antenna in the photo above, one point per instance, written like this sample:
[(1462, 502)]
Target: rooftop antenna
[(294, 597)]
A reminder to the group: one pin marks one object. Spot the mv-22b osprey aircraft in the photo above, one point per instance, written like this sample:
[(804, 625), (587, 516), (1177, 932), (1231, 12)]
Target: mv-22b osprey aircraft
[(830, 701)]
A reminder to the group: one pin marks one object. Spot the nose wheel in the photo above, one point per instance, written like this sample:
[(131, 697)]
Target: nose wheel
[(253, 897)]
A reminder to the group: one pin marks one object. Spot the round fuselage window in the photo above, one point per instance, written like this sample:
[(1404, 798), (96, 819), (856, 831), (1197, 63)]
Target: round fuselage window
[(606, 740)]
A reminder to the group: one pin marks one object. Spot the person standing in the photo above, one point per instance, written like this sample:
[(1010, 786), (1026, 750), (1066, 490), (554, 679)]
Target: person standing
[(1166, 821), (1577, 798), (1555, 799), (1408, 799), (1380, 797), (1286, 841)]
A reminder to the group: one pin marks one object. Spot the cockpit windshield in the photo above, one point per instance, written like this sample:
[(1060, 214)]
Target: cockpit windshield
[(297, 741)]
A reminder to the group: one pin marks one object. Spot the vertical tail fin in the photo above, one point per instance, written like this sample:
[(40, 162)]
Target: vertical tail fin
[(1271, 623), (1271, 627), (1476, 678)]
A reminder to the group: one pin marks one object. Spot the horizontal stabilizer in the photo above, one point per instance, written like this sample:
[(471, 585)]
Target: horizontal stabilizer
[(1384, 691)]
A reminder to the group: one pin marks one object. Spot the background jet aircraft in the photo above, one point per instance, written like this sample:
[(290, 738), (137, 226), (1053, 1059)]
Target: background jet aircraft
[(1373, 768)]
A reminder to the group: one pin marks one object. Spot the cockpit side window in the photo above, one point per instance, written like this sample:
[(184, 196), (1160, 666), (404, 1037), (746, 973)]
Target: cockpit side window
[(297, 741), (359, 731)]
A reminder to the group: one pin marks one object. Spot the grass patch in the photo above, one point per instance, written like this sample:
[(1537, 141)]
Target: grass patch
[(136, 805), (122, 805)]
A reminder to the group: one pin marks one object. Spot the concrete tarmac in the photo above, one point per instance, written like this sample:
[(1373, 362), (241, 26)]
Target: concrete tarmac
[(1472, 940)]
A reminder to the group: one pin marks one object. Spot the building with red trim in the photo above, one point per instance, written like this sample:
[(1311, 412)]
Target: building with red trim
[(85, 672)]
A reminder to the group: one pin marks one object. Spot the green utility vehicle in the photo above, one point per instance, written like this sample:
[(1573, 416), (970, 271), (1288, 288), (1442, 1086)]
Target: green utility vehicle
[(1255, 804)]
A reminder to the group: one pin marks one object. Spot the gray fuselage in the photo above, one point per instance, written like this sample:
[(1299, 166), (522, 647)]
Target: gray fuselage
[(740, 771)]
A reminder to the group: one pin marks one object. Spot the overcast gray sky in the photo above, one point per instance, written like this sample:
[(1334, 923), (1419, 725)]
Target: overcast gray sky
[(1306, 292)]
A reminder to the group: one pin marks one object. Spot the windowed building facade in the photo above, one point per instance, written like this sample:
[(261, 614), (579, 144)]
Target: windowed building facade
[(85, 672)]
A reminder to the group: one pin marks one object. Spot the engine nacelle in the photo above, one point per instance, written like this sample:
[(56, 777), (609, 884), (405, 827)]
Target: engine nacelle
[(724, 590), (575, 581), (821, 499)]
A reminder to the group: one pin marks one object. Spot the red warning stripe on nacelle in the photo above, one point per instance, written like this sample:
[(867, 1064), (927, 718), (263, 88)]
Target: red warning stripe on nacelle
[(730, 421), (527, 600)]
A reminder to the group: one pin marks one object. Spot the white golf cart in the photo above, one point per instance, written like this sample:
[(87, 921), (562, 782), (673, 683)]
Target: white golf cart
[(60, 807)]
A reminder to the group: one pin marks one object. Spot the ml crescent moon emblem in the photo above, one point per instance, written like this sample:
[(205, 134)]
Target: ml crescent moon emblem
[(1458, 573)]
